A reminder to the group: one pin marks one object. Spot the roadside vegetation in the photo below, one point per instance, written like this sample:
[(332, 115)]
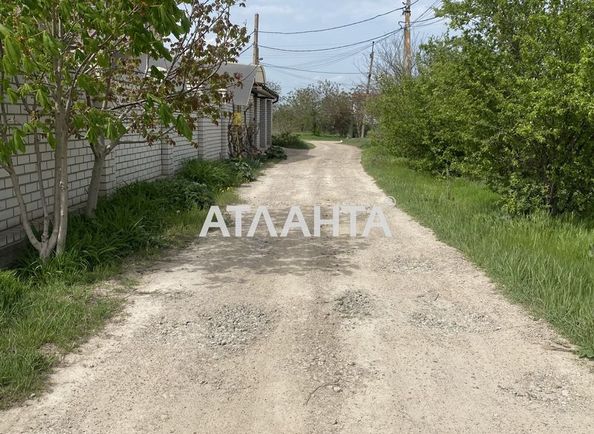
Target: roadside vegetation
[(519, 117), (490, 142), (103, 59), (543, 262), (48, 307), (293, 141)]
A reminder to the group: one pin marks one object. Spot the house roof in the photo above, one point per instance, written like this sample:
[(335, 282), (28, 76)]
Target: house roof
[(251, 79)]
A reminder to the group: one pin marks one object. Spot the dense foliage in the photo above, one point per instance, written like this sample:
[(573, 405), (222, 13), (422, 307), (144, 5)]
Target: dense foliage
[(289, 140), (508, 97), (324, 107), (98, 70)]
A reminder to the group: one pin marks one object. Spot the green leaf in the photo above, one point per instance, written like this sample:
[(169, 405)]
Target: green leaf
[(49, 44), (8, 66), (42, 99), (4, 31), (87, 84), (157, 73), (115, 129), (13, 50), (182, 127), (165, 114), (51, 139), (12, 95), (17, 138)]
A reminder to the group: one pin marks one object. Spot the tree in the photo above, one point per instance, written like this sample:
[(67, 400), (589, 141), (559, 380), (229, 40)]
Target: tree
[(533, 61), (64, 60), (153, 101), (324, 107), (336, 108), (506, 96)]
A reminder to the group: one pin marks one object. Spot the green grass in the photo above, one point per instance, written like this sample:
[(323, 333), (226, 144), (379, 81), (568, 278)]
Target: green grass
[(47, 309), (362, 143), (321, 137), (544, 263), (291, 141)]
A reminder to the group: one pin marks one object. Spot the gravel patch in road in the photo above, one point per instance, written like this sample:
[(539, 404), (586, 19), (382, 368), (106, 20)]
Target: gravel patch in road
[(353, 304), (452, 319), (236, 326)]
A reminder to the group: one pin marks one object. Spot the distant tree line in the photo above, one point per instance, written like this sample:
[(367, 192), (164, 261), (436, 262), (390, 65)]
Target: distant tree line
[(321, 108), (326, 107)]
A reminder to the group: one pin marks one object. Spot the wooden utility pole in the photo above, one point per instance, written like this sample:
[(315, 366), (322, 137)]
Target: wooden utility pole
[(407, 48), (368, 89), (256, 39)]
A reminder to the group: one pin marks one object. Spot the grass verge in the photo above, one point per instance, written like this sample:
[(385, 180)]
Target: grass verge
[(544, 263), (47, 309), (321, 137)]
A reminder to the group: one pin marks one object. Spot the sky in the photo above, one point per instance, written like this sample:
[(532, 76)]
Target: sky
[(343, 65)]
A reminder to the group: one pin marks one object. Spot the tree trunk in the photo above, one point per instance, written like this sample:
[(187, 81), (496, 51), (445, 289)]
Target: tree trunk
[(62, 182), (95, 185)]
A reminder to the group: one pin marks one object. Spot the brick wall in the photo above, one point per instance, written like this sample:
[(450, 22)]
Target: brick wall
[(129, 162)]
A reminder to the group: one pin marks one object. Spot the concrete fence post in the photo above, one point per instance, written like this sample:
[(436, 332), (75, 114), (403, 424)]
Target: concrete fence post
[(167, 164)]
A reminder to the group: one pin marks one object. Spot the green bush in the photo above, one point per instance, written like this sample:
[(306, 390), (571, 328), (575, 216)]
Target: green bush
[(276, 153), (288, 140), (509, 102), (215, 174), (245, 169)]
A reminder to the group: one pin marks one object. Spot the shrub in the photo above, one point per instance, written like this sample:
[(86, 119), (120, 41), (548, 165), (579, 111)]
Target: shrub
[(133, 219), (497, 101), (245, 169), (288, 140), (276, 153), (215, 174)]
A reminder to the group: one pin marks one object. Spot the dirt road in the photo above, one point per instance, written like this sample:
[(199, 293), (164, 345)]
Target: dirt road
[(317, 335)]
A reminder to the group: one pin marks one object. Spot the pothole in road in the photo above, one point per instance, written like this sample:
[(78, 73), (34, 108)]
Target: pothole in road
[(402, 264), (353, 304), (452, 319), (544, 388), (235, 326)]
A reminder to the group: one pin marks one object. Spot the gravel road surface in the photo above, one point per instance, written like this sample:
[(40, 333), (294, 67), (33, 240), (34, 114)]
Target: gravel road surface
[(317, 335)]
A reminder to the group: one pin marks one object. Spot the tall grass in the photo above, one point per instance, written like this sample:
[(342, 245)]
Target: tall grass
[(48, 308), (544, 263)]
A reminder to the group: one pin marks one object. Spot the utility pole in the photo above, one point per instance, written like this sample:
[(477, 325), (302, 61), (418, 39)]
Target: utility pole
[(368, 89), (407, 48), (256, 39)]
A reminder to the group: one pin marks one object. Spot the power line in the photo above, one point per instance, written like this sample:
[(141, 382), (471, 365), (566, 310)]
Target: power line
[(427, 24), (425, 11), (327, 61), (268, 65), (287, 50), (426, 19), (334, 28)]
